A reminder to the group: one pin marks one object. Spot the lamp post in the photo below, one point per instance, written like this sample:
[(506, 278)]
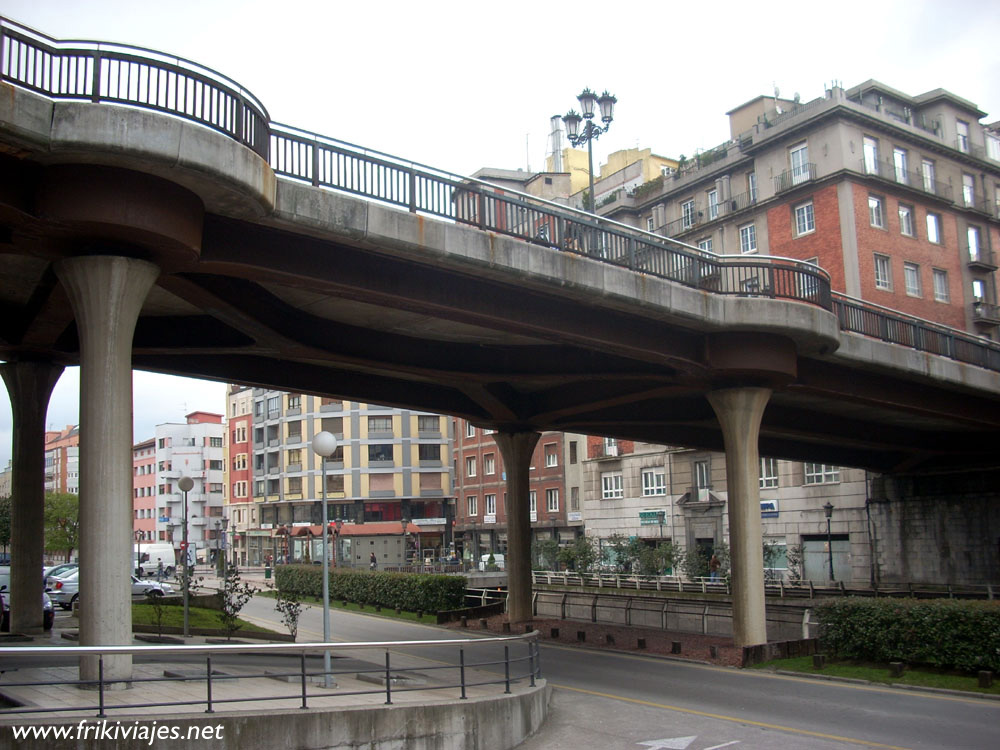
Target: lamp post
[(591, 132), (220, 546), (828, 509), (323, 445), (185, 484), (406, 538)]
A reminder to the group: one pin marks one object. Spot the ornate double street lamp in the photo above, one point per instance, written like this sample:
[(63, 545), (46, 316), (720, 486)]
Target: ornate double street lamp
[(220, 546), (591, 131), (828, 509), (323, 445), (184, 484)]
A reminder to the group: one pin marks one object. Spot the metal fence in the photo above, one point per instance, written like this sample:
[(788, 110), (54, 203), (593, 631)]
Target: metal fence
[(138, 77), (525, 668)]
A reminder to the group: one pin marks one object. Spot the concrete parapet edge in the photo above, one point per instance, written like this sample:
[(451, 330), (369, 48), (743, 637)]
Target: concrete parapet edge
[(488, 723)]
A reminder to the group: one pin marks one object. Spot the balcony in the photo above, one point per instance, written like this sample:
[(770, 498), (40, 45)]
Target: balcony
[(981, 259), (986, 314), (889, 172), (794, 177)]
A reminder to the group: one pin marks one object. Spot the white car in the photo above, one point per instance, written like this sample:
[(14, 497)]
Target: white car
[(65, 590)]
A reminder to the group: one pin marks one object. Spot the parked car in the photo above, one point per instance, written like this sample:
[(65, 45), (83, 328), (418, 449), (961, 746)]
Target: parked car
[(48, 612), (57, 570), (66, 589)]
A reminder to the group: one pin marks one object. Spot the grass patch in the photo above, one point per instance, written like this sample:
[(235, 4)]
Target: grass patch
[(426, 619), (198, 617), (915, 676)]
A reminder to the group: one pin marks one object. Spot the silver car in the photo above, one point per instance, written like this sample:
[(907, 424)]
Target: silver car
[(65, 589), (48, 613)]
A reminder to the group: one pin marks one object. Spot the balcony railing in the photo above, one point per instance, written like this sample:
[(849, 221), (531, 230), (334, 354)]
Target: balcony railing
[(984, 312), (887, 170), (794, 177), (968, 147), (981, 257)]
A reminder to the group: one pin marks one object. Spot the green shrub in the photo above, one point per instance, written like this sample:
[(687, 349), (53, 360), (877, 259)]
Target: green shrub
[(412, 592), (945, 633)]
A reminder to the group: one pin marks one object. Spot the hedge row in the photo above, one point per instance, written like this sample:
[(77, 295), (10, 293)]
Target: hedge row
[(946, 633), (412, 592)]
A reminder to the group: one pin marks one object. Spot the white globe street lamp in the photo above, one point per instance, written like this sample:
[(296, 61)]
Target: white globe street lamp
[(323, 445)]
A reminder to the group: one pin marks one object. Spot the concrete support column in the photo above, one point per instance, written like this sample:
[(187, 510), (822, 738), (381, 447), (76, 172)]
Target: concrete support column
[(106, 293), (739, 411), (517, 448), (29, 385)]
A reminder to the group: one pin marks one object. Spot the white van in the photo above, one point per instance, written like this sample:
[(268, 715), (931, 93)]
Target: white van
[(147, 559)]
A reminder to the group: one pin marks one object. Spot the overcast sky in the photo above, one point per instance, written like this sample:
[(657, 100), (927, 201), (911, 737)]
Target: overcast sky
[(463, 85)]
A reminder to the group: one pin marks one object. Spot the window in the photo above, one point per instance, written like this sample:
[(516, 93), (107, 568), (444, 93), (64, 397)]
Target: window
[(489, 464), (799, 158), (870, 148), (294, 401), (533, 504), (701, 474), (883, 274), (574, 498), (649, 224), (752, 186), (380, 452), (805, 221), (876, 216), (551, 455), (379, 424), (927, 171), (705, 244), (906, 220), (295, 456), (572, 452), (429, 452), (654, 482), (687, 214), (972, 235), (215, 465), (713, 204), (258, 409), (610, 447), (611, 485), (821, 473), (934, 228), (911, 278), (768, 473), (899, 165), (427, 423), (491, 504), (552, 500), (962, 129), (215, 442), (295, 485), (978, 290), (471, 505), (470, 466), (273, 406), (968, 190), (748, 239), (294, 432), (940, 285), (470, 431), (993, 147)]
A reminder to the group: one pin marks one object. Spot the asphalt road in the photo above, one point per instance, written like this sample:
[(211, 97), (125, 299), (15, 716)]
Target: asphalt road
[(615, 701)]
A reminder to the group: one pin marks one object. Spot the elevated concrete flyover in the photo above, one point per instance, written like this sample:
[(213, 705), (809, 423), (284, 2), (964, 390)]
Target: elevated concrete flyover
[(139, 230)]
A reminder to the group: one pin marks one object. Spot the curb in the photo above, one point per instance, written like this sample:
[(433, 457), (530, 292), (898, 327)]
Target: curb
[(894, 685)]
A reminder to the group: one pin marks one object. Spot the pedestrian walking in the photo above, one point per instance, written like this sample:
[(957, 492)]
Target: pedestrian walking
[(373, 562)]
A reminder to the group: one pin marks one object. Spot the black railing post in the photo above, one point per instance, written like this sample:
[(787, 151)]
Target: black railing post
[(631, 253), (506, 669), (302, 663), (95, 92), (531, 662), (388, 681), (3, 58), (208, 682), (412, 184), (315, 163), (100, 685), (461, 670)]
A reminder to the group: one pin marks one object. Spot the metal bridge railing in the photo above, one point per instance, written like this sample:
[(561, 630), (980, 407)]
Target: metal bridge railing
[(200, 682), (139, 77)]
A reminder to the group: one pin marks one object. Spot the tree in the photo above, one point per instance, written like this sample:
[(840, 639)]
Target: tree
[(544, 554), (290, 609), (624, 553), (581, 556), (654, 561), (5, 504), (62, 523), (234, 595), (695, 563)]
